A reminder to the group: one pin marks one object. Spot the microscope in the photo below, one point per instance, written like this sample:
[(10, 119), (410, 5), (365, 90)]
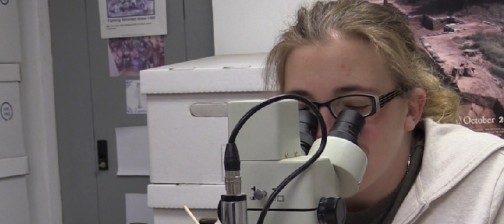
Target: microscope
[(277, 173)]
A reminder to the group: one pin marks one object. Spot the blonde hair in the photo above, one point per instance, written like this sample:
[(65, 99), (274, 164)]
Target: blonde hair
[(388, 32)]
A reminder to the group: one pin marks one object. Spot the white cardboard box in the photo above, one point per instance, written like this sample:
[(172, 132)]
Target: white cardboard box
[(168, 201), (13, 159), (244, 26), (186, 114), (15, 206), (10, 41), (195, 196), (179, 216)]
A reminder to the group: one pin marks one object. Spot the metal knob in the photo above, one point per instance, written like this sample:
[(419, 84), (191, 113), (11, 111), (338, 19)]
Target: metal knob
[(260, 194)]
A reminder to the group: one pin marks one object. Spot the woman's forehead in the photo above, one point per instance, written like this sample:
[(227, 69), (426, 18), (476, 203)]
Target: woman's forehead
[(342, 63)]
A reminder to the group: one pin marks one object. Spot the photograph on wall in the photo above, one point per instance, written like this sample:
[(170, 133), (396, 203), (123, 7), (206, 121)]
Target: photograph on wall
[(136, 102), (127, 56), (132, 18), (464, 40)]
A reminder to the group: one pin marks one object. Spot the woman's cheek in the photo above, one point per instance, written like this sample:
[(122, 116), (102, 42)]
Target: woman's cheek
[(367, 137)]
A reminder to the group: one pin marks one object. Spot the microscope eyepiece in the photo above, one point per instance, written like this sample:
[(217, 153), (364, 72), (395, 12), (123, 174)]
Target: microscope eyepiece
[(348, 125), (307, 129)]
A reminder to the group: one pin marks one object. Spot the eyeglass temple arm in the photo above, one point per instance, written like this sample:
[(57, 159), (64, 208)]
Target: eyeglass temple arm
[(388, 97)]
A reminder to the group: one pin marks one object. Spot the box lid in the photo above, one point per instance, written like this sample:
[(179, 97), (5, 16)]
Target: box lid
[(198, 196), (223, 73), (9, 73)]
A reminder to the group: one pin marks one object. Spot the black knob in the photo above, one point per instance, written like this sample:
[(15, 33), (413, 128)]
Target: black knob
[(331, 211)]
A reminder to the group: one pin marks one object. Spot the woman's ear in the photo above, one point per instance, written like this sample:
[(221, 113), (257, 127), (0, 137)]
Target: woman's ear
[(416, 103)]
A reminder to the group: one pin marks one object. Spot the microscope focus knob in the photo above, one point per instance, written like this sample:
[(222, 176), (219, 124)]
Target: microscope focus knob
[(331, 211), (260, 194)]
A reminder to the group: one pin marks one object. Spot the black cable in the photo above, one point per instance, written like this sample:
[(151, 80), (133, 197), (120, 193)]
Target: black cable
[(299, 170)]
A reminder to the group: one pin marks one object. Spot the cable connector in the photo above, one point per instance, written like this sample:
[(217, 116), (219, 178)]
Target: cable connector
[(232, 178), (231, 158)]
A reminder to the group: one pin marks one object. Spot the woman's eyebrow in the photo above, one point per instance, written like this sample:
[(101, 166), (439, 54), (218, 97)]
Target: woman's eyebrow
[(337, 91), (353, 88), (300, 92)]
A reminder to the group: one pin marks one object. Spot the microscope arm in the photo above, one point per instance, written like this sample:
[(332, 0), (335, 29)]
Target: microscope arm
[(270, 151)]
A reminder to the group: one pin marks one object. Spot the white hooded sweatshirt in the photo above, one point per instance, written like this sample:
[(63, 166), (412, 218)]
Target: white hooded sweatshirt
[(461, 180)]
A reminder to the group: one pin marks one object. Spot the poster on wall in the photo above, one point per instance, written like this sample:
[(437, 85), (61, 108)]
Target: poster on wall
[(132, 18), (465, 43), (127, 56)]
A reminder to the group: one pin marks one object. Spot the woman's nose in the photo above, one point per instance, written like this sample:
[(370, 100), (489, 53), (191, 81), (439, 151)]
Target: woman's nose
[(328, 120)]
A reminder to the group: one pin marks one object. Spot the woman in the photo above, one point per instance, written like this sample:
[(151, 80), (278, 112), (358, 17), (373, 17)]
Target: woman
[(363, 56)]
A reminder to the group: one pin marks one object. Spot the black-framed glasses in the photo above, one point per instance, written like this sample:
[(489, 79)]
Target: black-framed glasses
[(365, 104)]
